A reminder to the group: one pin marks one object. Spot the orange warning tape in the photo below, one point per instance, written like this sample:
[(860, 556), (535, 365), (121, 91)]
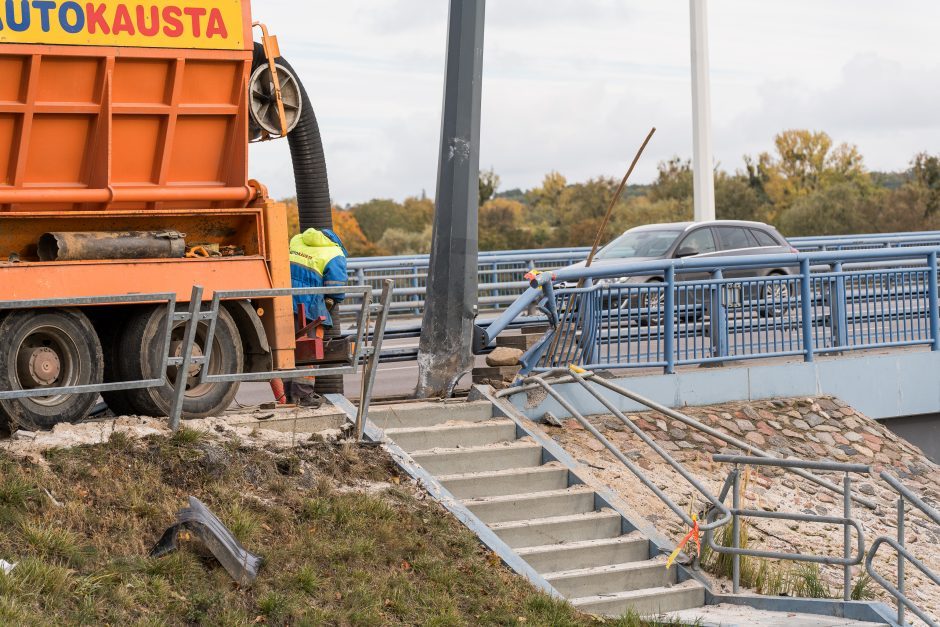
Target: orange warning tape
[(694, 533)]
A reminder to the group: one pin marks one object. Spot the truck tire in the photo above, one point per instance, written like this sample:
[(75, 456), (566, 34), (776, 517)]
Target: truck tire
[(48, 348), (139, 358)]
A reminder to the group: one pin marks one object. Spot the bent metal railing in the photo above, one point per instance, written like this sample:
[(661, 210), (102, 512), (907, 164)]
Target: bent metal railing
[(904, 555), (363, 352), (707, 310), (733, 483)]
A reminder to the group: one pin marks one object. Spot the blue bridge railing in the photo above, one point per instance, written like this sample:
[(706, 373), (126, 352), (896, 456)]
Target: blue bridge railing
[(501, 273), (699, 311)]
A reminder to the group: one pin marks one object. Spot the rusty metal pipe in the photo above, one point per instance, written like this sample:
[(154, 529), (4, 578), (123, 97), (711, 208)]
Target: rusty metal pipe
[(111, 245)]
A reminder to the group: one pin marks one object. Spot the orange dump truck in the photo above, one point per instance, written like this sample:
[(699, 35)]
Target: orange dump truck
[(124, 133)]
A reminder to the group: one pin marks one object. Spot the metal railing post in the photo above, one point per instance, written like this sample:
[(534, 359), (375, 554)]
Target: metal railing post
[(669, 327), (372, 365), (182, 372), (415, 283), (901, 562), (934, 305), (806, 307), (847, 537), (736, 531), (839, 309), (718, 318)]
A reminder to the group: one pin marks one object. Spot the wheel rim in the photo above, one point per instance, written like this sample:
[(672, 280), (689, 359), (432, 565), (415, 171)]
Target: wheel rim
[(778, 294), (47, 358), (193, 388)]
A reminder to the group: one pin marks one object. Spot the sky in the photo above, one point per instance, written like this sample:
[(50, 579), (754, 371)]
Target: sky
[(574, 85)]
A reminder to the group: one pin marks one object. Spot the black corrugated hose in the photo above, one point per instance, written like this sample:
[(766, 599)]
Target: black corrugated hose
[(313, 187)]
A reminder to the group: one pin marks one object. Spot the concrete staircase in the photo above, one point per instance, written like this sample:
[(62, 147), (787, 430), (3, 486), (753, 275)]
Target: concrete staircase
[(539, 508)]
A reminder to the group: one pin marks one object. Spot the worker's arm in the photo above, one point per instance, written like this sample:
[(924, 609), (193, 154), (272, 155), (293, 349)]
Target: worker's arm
[(334, 275)]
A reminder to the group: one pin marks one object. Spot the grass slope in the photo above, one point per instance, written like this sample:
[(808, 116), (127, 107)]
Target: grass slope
[(80, 531)]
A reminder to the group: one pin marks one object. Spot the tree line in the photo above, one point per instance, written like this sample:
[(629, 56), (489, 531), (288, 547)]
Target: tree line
[(807, 185)]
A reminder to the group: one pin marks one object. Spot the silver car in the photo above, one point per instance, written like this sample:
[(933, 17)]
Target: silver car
[(677, 240)]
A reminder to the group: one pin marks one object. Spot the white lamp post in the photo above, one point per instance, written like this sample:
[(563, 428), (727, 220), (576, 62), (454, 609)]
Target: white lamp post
[(702, 167)]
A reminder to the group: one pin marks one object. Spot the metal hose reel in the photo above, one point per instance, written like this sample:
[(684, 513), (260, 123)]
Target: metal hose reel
[(265, 119)]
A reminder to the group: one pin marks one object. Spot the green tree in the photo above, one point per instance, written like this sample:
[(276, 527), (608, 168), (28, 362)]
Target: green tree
[(398, 241), (674, 180), (378, 215), (737, 199), (838, 209), (925, 170)]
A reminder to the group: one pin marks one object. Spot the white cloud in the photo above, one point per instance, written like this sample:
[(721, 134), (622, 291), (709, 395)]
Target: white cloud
[(574, 86)]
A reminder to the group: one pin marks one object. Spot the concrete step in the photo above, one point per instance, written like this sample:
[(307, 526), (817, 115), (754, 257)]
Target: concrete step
[(648, 602), (428, 414), (612, 579), (497, 509), (452, 436), (513, 481), (519, 534), (632, 547), (480, 459)]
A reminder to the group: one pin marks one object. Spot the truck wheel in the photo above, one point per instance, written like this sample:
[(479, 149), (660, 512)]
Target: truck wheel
[(139, 358), (49, 348)]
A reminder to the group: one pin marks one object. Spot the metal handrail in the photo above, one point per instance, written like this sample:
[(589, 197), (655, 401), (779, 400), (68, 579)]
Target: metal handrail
[(902, 601), (195, 314), (526, 385), (730, 319), (117, 299), (714, 501), (847, 522)]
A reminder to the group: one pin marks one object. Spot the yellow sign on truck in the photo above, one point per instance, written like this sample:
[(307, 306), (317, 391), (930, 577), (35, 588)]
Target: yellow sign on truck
[(190, 24)]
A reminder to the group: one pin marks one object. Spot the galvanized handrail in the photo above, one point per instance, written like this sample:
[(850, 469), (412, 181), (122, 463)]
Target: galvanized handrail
[(122, 299), (527, 384), (196, 314), (902, 601), (714, 502), (847, 522)]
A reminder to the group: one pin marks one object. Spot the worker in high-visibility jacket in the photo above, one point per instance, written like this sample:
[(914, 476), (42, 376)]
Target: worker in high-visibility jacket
[(317, 259)]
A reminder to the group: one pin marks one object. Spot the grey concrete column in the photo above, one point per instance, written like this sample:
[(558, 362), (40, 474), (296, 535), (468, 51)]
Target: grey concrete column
[(444, 353)]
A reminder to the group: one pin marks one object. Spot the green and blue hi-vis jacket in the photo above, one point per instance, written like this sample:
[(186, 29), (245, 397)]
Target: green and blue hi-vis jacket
[(317, 259)]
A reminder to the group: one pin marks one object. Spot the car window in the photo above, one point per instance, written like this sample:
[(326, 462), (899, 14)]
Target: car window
[(698, 243), (634, 244), (763, 238), (735, 237)]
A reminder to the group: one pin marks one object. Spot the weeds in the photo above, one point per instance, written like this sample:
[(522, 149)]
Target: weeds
[(776, 578), (331, 556), (862, 590)]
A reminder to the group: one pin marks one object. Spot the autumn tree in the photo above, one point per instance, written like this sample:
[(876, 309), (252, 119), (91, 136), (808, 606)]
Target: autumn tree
[(805, 161), (503, 226), (355, 241)]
